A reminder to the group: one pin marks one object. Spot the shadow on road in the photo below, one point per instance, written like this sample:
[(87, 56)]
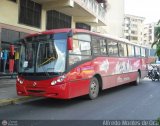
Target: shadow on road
[(61, 103)]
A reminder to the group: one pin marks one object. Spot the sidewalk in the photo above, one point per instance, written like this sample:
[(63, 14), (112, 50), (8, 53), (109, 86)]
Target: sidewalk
[(8, 93)]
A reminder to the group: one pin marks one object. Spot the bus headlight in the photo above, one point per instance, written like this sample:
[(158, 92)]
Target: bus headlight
[(53, 83), (59, 79), (19, 80)]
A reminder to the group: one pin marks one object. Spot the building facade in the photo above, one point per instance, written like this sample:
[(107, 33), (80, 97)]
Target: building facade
[(134, 28), (21, 17), (115, 17), (149, 34)]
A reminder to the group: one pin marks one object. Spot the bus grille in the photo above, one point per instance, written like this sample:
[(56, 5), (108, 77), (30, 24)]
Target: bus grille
[(36, 91)]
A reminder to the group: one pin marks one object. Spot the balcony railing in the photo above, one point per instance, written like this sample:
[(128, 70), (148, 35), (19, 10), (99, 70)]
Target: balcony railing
[(94, 7)]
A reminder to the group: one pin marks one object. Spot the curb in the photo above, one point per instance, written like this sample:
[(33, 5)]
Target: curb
[(9, 101)]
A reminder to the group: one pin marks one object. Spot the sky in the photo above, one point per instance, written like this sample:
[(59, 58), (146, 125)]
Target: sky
[(150, 9)]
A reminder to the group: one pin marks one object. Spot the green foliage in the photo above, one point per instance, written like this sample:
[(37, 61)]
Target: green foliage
[(158, 121), (157, 42), (158, 50)]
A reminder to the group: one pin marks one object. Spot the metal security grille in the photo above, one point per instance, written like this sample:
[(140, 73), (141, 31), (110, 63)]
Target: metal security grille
[(56, 19), (30, 13), (13, 0), (10, 36)]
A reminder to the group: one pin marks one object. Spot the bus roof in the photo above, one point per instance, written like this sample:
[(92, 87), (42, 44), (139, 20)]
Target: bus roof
[(53, 31), (59, 31)]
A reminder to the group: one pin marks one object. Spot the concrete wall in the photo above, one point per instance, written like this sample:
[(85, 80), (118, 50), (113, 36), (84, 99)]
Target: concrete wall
[(115, 17), (9, 13)]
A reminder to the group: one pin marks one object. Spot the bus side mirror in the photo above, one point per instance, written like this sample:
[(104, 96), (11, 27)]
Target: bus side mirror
[(70, 43)]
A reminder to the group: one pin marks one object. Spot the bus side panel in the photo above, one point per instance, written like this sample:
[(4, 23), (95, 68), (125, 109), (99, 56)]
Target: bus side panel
[(78, 88), (79, 79), (119, 79), (144, 68), (118, 71)]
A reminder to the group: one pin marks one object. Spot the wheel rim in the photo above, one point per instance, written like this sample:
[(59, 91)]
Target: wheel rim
[(94, 88)]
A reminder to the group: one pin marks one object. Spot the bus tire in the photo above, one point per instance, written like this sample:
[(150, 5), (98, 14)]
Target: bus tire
[(93, 88), (138, 79)]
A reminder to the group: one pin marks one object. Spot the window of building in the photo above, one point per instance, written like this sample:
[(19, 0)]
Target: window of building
[(128, 37), (83, 26), (13, 0), (30, 13), (56, 19), (134, 38), (134, 32), (134, 26)]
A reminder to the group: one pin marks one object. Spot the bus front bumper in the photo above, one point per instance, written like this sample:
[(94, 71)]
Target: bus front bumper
[(57, 91)]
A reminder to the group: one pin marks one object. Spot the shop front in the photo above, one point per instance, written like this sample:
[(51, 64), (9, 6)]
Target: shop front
[(9, 51)]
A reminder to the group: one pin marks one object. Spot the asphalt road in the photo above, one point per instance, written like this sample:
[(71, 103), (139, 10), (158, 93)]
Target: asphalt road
[(125, 102)]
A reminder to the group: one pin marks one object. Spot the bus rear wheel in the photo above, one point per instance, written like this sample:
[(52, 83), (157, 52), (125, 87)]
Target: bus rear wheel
[(93, 88)]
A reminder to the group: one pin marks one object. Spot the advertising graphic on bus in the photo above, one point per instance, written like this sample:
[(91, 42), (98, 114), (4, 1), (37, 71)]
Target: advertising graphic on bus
[(67, 63)]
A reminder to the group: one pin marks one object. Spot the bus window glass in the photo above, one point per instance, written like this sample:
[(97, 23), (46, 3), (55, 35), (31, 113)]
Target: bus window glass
[(103, 47), (96, 45), (137, 51), (73, 59), (147, 52), (76, 48), (112, 48), (85, 48), (81, 50), (130, 50), (122, 50), (84, 37), (143, 52)]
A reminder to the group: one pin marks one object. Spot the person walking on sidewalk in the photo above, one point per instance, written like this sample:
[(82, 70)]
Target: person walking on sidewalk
[(4, 58), (11, 59)]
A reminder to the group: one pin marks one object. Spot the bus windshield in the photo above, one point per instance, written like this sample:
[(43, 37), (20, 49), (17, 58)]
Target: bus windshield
[(43, 56)]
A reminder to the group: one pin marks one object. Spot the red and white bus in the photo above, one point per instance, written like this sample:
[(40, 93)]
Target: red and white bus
[(67, 63)]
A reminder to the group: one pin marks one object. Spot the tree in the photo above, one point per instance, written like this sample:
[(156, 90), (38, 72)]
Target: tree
[(157, 38)]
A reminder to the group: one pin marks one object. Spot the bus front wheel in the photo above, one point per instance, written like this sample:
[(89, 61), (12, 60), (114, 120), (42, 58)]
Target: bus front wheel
[(93, 88)]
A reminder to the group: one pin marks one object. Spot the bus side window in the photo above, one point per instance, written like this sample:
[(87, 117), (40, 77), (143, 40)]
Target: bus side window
[(103, 46), (147, 52), (122, 50), (112, 48), (137, 51), (143, 54), (96, 45), (81, 48), (131, 50)]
